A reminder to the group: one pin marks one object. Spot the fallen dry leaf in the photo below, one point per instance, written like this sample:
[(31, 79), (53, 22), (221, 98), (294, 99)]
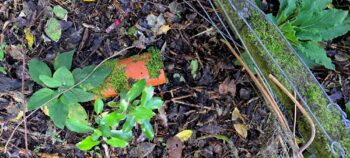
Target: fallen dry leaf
[(236, 114), (228, 86), (163, 29), (184, 135), (175, 146), (241, 129), (211, 129), (144, 149), (29, 37)]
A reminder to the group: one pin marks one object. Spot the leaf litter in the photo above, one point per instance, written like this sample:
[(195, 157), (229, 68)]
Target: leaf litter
[(214, 101)]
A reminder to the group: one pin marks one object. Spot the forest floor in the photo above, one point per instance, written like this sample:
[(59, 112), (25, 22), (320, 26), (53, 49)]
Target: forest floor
[(201, 100)]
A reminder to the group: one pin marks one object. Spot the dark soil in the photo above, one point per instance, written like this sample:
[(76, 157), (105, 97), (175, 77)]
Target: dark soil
[(195, 103)]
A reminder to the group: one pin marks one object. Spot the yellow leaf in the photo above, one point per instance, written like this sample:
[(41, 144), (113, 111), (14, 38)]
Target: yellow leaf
[(89, 0), (236, 114), (184, 135), (19, 116), (29, 37), (163, 29), (241, 129)]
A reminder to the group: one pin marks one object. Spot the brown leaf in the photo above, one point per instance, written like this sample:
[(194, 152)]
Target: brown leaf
[(211, 129), (241, 129), (236, 114), (175, 146), (228, 86), (144, 149)]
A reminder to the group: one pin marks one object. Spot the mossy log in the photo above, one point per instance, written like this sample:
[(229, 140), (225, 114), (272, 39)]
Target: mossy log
[(329, 118)]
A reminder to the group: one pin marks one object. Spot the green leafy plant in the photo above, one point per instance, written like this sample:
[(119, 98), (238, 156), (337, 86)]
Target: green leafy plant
[(135, 107), (53, 27), (64, 109), (3, 47), (305, 23)]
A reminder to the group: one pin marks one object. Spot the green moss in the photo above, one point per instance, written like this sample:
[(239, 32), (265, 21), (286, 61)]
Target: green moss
[(117, 78), (155, 63), (297, 74)]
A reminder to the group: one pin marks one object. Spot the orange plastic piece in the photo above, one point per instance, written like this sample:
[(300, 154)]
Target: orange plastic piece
[(136, 69)]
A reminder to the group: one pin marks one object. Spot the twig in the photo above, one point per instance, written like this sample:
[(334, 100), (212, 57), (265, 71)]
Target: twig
[(295, 120), (260, 87), (302, 110), (265, 93), (24, 108), (55, 97)]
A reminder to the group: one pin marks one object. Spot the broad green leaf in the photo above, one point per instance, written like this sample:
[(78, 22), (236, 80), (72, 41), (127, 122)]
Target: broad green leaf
[(94, 80), (135, 90), (336, 31), (287, 7), (112, 119), (78, 126), (314, 55), (69, 98), (37, 68), (40, 97), (289, 33), (60, 12), (123, 105), (58, 113), (194, 68), (64, 59), (325, 19), (96, 135), (106, 131), (142, 113), (65, 76), (307, 34), (98, 106), (307, 9), (147, 94), (147, 129), (154, 103), (49, 81), (82, 95), (90, 141), (77, 112), (127, 136), (53, 29), (116, 142), (129, 123)]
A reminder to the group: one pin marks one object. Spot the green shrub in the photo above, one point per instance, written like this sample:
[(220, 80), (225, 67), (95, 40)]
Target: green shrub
[(135, 107)]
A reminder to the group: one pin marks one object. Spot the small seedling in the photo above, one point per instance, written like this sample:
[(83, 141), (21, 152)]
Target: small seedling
[(135, 107), (64, 109), (3, 47)]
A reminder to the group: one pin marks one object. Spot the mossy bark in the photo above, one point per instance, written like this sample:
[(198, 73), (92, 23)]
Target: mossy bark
[(330, 118)]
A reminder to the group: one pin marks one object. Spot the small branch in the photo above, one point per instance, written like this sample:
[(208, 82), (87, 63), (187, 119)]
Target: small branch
[(24, 108), (303, 111)]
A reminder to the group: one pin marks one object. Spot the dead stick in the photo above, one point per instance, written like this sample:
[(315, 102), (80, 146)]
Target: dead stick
[(302, 110), (267, 95), (24, 108), (256, 81)]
